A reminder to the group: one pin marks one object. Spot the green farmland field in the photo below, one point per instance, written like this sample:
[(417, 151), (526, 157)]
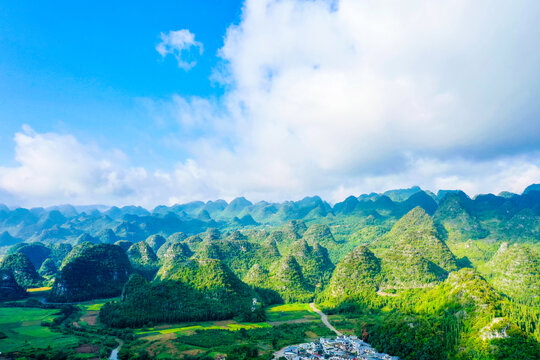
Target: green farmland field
[(23, 330), (290, 312)]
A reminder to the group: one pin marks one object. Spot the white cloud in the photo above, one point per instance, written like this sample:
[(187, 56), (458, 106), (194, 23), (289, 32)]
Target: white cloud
[(331, 100), (180, 44), (55, 168), (322, 97)]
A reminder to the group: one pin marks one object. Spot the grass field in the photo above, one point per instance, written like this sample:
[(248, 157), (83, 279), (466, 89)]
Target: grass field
[(350, 324), (161, 339), (23, 329), (41, 289), (95, 305), (279, 313), (190, 327), (213, 338), (90, 311), (290, 312)]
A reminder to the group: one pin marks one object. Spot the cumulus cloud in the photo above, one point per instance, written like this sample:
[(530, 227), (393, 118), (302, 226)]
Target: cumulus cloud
[(323, 96), (54, 166), (181, 44), (57, 168), (331, 98)]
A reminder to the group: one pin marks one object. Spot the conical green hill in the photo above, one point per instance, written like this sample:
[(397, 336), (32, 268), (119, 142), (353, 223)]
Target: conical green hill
[(48, 268), (176, 255), (197, 290), (22, 269), (173, 239), (257, 276), (91, 272), (143, 259), (416, 229), (315, 262), (319, 233), (358, 272), (155, 242), (294, 229), (515, 270), (405, 267), (457, 220), (142, 254), (287, 279), (9, 289)]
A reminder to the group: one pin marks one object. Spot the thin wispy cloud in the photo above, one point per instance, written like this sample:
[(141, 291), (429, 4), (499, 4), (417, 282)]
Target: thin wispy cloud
[(182, 45)]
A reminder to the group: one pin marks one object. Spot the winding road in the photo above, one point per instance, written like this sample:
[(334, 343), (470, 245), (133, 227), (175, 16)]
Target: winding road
[(114, 353), (324, 319)]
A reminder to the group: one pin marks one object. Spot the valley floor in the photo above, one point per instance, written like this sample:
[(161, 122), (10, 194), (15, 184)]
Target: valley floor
[(163, 338), (28, 329)]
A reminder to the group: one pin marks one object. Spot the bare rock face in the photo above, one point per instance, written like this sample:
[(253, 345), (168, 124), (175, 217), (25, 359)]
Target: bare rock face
[(495, 330)]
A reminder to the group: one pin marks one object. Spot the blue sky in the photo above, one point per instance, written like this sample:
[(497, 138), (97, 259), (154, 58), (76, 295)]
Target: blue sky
[(139, 103), (82, 67)]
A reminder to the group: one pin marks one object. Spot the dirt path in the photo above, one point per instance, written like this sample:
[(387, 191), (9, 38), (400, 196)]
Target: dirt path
[(114, 353), (280, 352), (324, 319)]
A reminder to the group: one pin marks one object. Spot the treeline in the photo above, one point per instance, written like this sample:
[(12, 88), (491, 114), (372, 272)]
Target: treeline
[(525, 316), (427, 337), (421, 337), (169, 301)]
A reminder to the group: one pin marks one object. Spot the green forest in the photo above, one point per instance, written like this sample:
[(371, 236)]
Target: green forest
[(415, 274)]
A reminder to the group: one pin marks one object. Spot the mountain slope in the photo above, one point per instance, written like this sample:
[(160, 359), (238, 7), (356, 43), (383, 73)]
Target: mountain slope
[(515, 270), (143, 259), (9, 288), (22, 269), (196, 290), (417, 230), (314, 260), (287, 279), (454, 215), (358, 272), (35, 252), (90, 272)]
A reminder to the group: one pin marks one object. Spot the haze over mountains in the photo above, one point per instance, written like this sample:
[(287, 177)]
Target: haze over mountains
[(133, 223)]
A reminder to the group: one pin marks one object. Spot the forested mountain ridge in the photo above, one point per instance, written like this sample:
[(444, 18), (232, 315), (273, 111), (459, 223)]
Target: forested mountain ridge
[(446, 263), (515, 271), (91, 272), (461, 217), (22, 269)]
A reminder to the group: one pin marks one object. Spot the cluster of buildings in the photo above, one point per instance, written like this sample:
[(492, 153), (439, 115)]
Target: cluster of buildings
[(342, 347)]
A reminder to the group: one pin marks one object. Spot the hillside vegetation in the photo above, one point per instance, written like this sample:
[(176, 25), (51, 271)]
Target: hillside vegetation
[(417, 274)]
